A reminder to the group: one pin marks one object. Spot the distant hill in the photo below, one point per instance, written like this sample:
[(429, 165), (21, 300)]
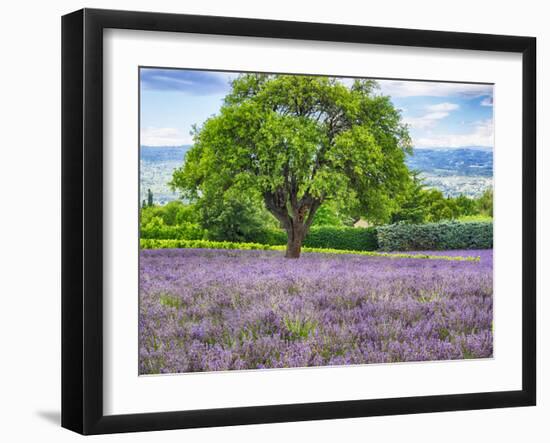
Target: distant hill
[(454, 171), (460, 161), (157, 163), (165, 147)]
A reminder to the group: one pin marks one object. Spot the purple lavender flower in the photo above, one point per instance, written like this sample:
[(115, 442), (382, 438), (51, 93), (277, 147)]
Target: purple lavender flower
[(212, 310)]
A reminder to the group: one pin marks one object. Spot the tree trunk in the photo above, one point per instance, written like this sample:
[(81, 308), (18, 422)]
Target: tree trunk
[(296, 236), (295, 216)]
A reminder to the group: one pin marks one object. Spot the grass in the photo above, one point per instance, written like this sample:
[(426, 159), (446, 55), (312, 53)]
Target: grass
[(475, 218)]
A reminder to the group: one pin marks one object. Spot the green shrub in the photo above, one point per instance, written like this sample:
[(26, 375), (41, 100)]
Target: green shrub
[(267, 236), (436, 236), (156, 228), (354, 239), (334, 237), (172, 213)]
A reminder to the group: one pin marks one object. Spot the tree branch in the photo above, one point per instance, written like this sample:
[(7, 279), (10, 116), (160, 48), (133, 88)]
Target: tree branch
[(276, 203), (312, 210)]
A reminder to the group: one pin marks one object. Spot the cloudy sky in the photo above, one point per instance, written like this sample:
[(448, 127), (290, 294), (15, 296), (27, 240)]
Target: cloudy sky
[(439, 115)]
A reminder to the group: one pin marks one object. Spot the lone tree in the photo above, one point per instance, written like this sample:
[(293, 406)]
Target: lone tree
[(298, 141)]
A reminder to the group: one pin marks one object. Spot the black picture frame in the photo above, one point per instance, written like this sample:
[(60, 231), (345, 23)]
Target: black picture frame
[(82, 218)]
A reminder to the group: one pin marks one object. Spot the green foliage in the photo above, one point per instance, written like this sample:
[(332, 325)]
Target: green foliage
[(420, 204), (412, 206), (438, 207), (334, 237), (436, 236), (149, 202), (296, 142), (268, 236), (333, 214), (207, 244), (156, 228), (299, 328), (173, 220), (235, 222), (355, 239), (170, 301), (146, 214), (451, 208), (485, 203), (326, 216), (475, 218), (173, 213), (466, 206), (231, 217), (177, 213)]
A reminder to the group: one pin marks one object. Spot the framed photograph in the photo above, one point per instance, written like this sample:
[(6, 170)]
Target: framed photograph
[(269, 221)]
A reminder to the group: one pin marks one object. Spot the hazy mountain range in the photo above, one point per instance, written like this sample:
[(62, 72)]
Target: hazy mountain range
[(474, 161), (454, 171)]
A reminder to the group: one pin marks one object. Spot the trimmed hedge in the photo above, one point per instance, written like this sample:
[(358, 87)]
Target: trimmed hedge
[(207, 244), (267, 236), (435, 236), (353, 239)]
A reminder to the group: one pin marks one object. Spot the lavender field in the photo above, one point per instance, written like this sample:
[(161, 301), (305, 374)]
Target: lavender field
[(212, 310)]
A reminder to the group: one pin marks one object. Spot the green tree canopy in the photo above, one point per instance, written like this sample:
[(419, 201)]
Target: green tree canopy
[(413, 205), (296, 142), (233, 215), (485, 203)]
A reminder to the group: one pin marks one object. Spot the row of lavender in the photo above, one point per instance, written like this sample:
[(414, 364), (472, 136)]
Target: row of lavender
[(208, 310)]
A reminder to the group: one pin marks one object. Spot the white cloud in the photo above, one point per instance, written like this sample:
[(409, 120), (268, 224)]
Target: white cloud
[(443, 107), (435, 113), (396, 88), (164, 137), (425, 121), (482, 135)]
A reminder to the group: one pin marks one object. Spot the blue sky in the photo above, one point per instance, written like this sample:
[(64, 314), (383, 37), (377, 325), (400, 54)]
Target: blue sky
[(439, 115)]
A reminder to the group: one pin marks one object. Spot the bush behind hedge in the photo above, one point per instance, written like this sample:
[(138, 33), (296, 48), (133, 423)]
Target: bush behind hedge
[(333, 237), (435, 236), (188, 231), (354, 239)]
